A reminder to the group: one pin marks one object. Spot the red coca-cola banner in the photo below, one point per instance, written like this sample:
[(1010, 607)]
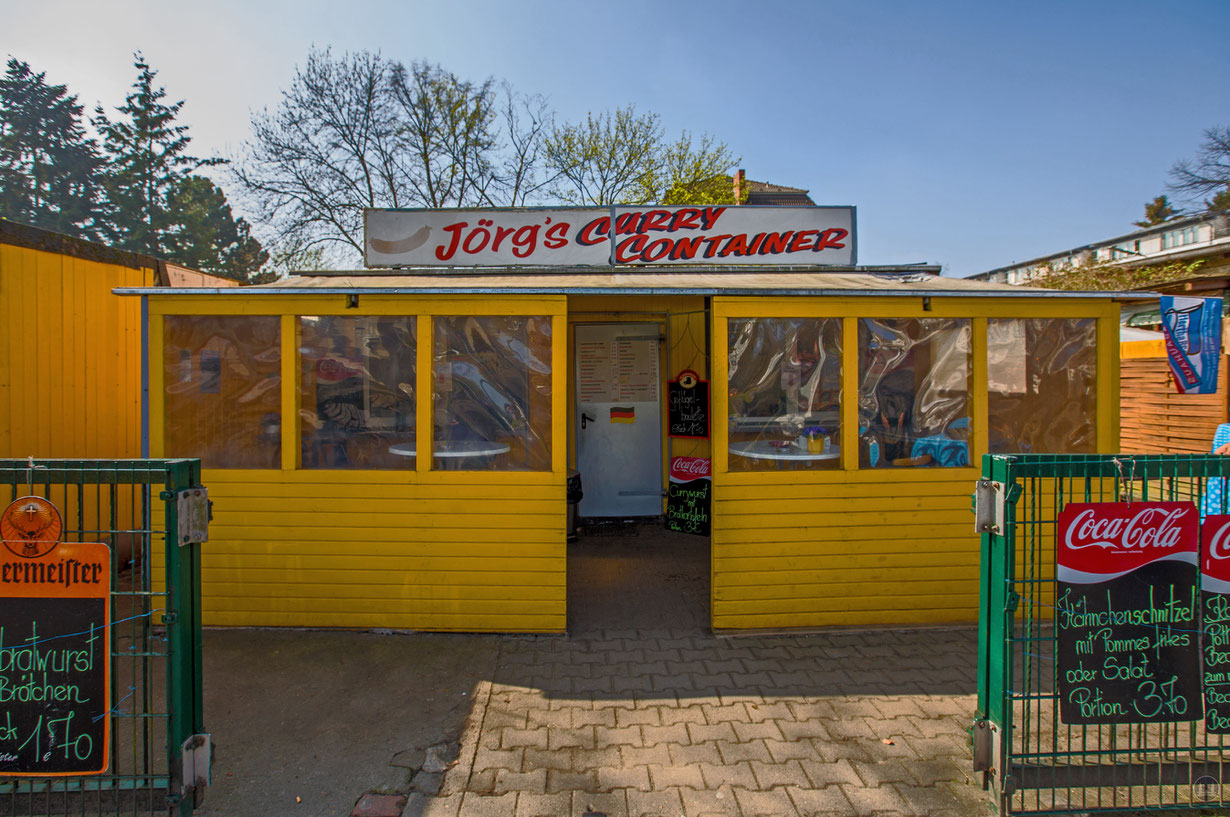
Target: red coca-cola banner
[(1101, 540), (1215, 560), (685, 469)]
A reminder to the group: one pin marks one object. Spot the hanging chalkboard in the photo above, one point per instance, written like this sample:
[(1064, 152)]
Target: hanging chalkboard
[(1127, 614), (687, 406), (54, 659), (688, 496), (1215, 622)]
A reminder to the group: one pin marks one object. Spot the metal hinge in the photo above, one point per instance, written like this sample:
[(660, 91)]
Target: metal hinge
[(984, 745), (194, 511), (197, 755), (989, 499)]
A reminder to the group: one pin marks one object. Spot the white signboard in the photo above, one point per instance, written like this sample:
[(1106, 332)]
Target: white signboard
[(622, 236)]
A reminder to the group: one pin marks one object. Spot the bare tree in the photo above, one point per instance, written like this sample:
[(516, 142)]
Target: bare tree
[(606, 159), (325, 153), (444, 134), (1208, 175), (527, 121), (625, 159)]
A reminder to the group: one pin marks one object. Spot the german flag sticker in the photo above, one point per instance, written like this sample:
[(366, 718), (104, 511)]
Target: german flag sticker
[(623, 414)]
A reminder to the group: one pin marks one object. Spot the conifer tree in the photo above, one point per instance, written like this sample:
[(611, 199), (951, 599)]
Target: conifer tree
[(146, 159), (48, 165)]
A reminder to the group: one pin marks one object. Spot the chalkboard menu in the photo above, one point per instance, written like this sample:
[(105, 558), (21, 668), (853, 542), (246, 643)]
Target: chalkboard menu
[(1215, 623), (687, 406), (688, 496), (54, 659), (1127, 613)]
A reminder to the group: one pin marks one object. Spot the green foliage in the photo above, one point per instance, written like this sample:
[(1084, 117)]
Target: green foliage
[(1157, 211), (147, 158), (48, 166), (625, 159), (1220, 200), (205, 235), (700, 175), (1112, 277)]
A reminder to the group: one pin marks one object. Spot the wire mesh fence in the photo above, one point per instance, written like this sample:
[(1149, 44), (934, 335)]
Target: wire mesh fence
[(1033, 761), (154, 677)]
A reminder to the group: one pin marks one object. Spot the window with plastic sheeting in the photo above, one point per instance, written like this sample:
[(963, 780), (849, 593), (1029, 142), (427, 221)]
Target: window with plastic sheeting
[(784, 379), (222, 390), (914, 392), (491, 393), (1042, 378), (357, 392)]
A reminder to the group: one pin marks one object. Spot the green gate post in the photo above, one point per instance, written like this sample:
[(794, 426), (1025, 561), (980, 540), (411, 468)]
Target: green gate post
[(183, 622)]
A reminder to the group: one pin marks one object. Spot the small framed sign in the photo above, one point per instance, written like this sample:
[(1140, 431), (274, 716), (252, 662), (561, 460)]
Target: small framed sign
[(687, 410), (55, 646)]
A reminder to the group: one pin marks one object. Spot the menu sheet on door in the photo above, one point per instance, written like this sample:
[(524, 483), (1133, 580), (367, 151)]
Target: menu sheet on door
[(624, 370)]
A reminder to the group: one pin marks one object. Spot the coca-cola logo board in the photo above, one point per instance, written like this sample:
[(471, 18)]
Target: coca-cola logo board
[(1215, 622), (688, 496), (1127, 619)]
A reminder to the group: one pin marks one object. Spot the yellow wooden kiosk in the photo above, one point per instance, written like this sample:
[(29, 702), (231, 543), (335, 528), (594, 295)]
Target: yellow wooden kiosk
[(391, 447)]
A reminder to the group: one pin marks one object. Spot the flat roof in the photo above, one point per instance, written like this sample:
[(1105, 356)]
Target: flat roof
[(879, 281)]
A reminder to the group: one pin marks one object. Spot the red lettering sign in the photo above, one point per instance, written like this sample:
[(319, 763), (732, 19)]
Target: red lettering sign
[(1101, 540)]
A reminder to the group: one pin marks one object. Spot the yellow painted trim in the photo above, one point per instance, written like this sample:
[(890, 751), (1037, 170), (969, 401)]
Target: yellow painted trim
[(1132, 349), (559, 396), (290, 392), (157, 405), (407, 304), (908, 307), (980, 402), (424, 382), (849, 394), (1107, 411), (719, 391)]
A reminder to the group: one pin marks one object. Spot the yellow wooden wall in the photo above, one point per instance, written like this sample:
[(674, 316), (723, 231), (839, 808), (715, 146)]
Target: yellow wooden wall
[(414, 549), (882, 546), (70, 356)]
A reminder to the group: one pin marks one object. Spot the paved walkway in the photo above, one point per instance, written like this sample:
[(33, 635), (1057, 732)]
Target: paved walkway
[(638, 711), (669, 722)]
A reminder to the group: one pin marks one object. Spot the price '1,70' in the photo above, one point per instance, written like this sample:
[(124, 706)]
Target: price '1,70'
[(59, 738)]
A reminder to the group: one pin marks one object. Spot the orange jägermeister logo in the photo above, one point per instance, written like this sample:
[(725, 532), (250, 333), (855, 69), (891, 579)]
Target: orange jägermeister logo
[(30, 527)]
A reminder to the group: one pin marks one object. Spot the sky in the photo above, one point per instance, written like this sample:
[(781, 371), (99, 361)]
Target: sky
[(970, 134)]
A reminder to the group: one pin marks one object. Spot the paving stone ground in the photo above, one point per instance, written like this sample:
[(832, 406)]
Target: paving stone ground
[(642, 712), (668, 722)]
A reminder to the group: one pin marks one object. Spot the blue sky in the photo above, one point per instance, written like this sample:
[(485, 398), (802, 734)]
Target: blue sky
[(968, 134)]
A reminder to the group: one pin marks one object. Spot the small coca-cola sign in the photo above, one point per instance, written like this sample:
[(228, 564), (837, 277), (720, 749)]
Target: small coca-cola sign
[(1215, 564), (684, 469), (1098, 540)]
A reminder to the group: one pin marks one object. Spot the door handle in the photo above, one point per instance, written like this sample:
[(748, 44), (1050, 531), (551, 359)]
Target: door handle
[(585, 417)]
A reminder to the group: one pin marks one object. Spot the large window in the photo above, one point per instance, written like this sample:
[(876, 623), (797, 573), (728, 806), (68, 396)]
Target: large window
[(785, 393), (1041, 374), (357, 392), (491, 393), (913, 398), (222, 390)]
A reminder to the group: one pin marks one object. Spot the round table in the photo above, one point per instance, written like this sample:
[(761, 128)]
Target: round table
[(763, 450), (456, 450)]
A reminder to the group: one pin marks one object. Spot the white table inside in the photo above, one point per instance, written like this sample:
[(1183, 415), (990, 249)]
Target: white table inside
[(453, 451), (765, 450)]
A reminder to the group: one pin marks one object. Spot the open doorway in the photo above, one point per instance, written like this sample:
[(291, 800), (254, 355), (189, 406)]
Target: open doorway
[(626, 570)]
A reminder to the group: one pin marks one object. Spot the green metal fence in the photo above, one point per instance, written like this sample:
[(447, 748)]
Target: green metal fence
[(152, 514), (1031, 761)]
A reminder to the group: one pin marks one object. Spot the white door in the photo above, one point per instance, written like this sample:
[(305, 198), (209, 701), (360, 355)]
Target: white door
[(619, 419)]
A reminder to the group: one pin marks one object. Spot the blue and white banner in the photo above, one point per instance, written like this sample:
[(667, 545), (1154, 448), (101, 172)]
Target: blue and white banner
[(1192, 327)]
